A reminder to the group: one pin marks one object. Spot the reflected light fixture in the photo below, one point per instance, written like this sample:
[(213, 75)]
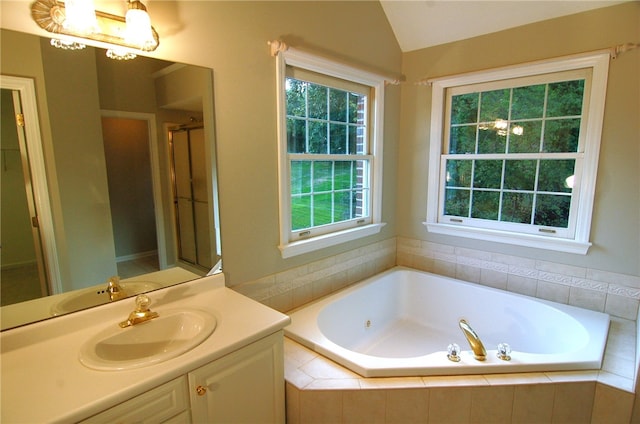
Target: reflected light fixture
[(500, 125), (517, 130), (570, 181), (125, 35)]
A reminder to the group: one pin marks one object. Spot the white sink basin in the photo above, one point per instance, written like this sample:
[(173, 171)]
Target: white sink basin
[(87, 298), (171, 334)]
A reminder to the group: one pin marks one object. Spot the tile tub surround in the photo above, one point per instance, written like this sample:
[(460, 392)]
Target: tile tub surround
[(295, 287), (615, 294), (319, 390)]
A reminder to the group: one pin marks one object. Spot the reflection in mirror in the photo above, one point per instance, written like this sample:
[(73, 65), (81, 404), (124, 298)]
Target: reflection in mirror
[(125, 186)]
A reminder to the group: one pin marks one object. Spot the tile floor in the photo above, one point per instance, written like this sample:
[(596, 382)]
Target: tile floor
[(142, 265), (19, 284)]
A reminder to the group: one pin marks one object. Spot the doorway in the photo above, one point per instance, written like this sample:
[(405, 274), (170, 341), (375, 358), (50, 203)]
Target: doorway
[(131, 193), (23, 274)]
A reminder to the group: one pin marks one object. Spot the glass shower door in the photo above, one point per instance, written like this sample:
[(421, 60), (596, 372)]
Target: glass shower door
[(190, 197)]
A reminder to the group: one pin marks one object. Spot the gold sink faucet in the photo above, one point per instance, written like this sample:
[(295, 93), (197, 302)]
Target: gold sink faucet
[(474, 341), (114, 289), (142, 312)]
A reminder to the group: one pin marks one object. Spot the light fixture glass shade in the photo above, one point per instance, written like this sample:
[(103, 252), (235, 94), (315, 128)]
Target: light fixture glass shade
[(80, 17), (120, 54), (138, 26), (66, 44)]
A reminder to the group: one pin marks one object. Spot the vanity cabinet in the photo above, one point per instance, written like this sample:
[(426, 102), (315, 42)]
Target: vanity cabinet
[(245, 386)]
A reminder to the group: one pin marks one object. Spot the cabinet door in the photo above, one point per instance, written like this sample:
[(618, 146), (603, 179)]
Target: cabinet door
[(246, 386), (155, 406)]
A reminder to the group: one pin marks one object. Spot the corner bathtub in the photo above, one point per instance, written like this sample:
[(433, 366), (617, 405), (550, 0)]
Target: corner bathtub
[(400, 322)]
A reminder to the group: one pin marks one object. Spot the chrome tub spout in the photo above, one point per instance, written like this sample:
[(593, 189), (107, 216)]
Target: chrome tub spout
[(477, 347)]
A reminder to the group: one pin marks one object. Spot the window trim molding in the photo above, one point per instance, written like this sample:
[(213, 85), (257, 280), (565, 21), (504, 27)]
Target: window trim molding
[(311, 62), (599, 63)]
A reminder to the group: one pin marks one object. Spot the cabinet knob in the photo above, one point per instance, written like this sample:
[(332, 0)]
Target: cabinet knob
[(201, 391)]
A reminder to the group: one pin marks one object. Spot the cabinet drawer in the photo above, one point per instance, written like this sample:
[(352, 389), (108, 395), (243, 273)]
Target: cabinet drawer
[(155, 406), (182, 418)]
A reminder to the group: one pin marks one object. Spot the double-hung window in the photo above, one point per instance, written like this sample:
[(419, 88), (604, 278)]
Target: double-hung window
[(514, 153), (330, 144)]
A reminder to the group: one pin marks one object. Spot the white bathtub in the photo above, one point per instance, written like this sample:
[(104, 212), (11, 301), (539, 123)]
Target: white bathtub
[(400, 322)]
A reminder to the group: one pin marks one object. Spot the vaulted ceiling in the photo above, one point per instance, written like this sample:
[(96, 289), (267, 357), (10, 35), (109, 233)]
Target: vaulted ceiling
[(421, 23)]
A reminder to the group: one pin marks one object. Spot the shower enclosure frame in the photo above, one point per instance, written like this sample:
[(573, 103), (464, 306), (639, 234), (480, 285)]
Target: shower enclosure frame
[(211, 237)]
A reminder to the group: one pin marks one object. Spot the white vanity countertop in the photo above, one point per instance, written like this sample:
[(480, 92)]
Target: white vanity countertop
[(43, 380)]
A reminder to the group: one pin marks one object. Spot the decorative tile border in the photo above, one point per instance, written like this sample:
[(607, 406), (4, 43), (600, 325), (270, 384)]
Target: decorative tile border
[(624, 291), (590, 285)]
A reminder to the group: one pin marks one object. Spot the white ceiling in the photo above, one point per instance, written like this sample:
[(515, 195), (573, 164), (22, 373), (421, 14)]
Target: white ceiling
[(421, 23)]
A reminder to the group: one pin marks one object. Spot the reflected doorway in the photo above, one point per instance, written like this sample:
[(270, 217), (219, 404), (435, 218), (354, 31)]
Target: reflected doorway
[(191, 201), (23, 271), (131, 194)]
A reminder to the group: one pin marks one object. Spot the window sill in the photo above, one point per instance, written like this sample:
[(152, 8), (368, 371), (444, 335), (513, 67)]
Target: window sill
[(524, 240), (327, 240)]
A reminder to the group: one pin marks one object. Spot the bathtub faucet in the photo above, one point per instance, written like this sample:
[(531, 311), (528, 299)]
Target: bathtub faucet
[(474, 341)]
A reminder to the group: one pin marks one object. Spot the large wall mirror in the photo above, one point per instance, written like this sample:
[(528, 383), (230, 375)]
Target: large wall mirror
[(117, 183)]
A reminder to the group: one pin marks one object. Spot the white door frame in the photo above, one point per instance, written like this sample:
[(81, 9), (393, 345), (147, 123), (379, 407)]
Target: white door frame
[(26, 88)]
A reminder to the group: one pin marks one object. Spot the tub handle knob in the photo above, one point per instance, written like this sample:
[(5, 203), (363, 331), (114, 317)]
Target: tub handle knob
[(504, 351), (453, 352)]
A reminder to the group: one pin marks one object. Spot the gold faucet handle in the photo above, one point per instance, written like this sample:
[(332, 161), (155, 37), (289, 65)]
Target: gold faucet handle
[(141, 313), (142, 303)]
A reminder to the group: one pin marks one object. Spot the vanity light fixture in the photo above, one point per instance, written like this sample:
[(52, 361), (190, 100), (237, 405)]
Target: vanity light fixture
[(138, 30), (126, 35), (80, 17)]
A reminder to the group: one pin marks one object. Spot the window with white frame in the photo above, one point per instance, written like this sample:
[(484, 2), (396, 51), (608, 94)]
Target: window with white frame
[(514, 153), (330, 152)]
